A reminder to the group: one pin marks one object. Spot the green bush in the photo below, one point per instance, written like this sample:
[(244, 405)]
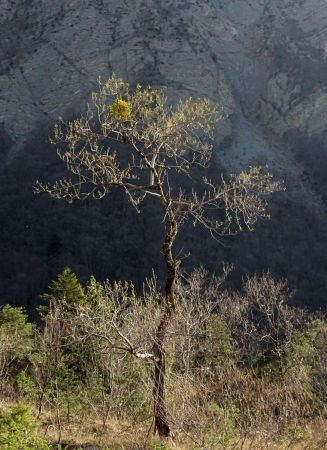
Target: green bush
[(16, 345), (15, 328), (18, 430)]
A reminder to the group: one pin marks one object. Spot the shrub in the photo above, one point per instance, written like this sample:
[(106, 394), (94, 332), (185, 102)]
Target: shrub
[(16, 344), (18, 430)]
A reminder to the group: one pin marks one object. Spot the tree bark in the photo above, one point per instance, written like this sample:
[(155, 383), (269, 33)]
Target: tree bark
[(161, 421)]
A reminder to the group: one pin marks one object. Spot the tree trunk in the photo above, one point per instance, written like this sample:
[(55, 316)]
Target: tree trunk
[(161, 424), (161, 421)]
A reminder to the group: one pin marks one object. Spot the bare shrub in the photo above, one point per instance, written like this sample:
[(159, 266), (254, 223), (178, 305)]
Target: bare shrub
[(237, 364)]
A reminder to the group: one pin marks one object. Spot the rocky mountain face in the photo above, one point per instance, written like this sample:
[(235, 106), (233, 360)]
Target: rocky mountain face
[(264, 61)]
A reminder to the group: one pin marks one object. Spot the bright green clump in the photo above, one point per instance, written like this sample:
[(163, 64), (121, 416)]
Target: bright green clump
[(121, 109), (18, 430), (65, 291)]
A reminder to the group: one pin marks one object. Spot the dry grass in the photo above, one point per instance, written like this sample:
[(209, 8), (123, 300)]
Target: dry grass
[(124, 436)]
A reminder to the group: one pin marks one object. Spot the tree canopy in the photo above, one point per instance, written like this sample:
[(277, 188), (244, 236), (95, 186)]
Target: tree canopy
[(161, 140)]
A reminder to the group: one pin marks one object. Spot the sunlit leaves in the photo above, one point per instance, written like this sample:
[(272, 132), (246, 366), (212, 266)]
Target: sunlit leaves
[(121, 110)]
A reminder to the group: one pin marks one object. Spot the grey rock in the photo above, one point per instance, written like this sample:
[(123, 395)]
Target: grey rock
[(252, 57)]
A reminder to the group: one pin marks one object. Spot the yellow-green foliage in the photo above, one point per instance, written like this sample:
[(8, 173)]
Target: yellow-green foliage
[(121, 110), (18, 430), (15, 327)]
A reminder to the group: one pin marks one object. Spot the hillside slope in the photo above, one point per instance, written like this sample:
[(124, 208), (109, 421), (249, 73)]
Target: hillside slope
[(265, 62)]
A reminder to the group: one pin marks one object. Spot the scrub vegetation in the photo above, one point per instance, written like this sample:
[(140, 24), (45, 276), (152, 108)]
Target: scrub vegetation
[(187, 361)]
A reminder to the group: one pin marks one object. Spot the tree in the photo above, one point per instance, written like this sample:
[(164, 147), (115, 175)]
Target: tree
[(66, 291), (58, 365), (157, 141), (16, 343)]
